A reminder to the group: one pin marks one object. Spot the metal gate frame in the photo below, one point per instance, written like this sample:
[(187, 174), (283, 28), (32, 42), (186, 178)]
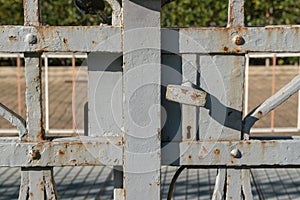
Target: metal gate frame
[(136, 34)]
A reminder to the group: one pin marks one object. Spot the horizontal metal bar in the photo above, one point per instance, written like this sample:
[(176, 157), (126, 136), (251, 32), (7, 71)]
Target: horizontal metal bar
[(278, 153), (70, 151), (84, 151), (64, 55), (9, 131), (271, 55), (275, 130), (48, 55), (62, 131), (11, 55), (232, 40), (183, 40), (51, 131), (60, 39)]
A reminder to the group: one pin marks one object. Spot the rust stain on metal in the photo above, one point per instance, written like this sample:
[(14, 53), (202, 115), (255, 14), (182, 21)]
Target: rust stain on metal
[(190, 156), (184, 91), (217, 151), (11, 38), (231, 17), (65, 40), (237, 49), (259, 114), (41, 133), (195, 96), (35, 154), (238, 40), (159, 134), (61, 152), (205, 150), (225, 49)]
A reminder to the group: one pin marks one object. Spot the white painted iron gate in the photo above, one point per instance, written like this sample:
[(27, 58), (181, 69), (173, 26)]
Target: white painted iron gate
[(138, 75)]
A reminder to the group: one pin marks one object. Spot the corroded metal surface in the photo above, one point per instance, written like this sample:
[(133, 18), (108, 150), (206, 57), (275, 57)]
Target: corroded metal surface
[(186, 95), (141, 99), (190, 40), (34, 97), (60, 39), (279, 153), (62, 152)]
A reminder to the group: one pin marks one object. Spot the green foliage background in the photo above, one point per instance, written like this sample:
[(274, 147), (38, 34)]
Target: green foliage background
[(179, 13)]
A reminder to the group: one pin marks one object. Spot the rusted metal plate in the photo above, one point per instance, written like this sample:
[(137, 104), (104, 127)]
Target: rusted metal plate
[(253, 153), (189, 113), (186, 95), (60, 39), (62, 152)]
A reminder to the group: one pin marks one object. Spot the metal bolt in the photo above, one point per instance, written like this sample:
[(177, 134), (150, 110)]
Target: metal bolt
[(35, 154), (236, 153), (238, 40), (31, 38)]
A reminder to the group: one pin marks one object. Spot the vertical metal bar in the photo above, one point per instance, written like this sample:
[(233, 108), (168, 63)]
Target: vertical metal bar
[(273, 89), (246, 184), (219, 184), (31, 12), (50, 183), (236, 13), (34, 97), (24, 189), (298, 122), (19, 84), (189, 113), (73, 94), (246, 97), (46, 94), (33, 75), (234, 184), (141, 98), (35, 184)]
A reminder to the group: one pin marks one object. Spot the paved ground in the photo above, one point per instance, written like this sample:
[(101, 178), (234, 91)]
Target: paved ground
[(96, 182), (196, 184)]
